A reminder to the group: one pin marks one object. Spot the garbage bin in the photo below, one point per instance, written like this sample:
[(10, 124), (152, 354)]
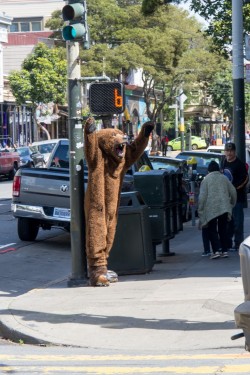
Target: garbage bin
[(132, 251), (158, 189), (242, 312)]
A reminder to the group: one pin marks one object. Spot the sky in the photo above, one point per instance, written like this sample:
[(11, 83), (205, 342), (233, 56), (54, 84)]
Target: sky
[(187, 7)]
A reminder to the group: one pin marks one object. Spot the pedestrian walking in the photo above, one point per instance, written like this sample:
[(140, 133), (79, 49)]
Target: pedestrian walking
[(235, 170), (164, 145), (217, 198)]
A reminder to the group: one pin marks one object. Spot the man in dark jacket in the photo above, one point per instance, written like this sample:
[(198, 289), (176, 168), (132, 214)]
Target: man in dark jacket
[(236, 172)]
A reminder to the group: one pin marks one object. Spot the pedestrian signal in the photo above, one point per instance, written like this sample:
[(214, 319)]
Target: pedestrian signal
[(106, 98)]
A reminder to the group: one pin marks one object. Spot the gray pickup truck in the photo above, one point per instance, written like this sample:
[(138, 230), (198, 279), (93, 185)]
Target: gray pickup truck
[(41, 196)]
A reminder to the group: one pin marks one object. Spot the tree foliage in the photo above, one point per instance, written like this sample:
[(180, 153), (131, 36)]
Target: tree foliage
[(218, 14), (42, 77), (167, 44)]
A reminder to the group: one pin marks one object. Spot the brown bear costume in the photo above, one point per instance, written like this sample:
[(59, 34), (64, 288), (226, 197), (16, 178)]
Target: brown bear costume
[(108, 157)]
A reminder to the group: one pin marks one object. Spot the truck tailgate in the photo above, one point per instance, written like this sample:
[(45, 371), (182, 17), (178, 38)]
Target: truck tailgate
[(44, 187)]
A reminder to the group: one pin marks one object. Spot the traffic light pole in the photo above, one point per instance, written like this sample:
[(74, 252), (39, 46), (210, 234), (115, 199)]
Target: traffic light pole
[(238, 80), (76, 155)]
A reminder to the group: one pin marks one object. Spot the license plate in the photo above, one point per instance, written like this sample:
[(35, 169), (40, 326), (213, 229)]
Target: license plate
[(62, 213)]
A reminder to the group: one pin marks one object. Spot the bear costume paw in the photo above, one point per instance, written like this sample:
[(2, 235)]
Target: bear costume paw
[(90, 125), (98, 276), (148, 128)]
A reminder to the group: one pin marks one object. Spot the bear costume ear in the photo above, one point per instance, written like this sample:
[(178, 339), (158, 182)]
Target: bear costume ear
[(148, 128), (90, 126)]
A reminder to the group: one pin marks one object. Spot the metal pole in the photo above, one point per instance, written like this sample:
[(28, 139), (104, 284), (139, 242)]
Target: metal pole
[(77, 224), (193, 205), (176, 117), (238, 79), (182, 98)]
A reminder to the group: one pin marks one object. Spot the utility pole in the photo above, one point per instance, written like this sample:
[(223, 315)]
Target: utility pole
[(77, 223), (75, 13), (238, 79)]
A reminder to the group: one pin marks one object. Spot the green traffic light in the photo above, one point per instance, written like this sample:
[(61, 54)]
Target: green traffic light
[(76, 15), (72, 32)]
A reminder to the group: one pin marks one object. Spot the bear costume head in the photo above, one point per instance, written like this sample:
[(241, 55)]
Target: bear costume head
[(113, 143)]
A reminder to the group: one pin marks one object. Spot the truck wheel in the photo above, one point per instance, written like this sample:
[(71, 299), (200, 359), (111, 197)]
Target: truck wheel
[(27, 229)]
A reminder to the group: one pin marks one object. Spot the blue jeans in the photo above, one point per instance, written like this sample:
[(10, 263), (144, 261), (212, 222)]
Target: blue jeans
[(236, 226)]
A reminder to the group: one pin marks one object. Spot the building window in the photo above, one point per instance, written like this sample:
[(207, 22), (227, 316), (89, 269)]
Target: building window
[(14, 27), (36, 26), (24, 26)]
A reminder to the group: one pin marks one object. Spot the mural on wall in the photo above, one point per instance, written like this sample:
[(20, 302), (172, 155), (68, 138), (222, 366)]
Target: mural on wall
[(135, 112)]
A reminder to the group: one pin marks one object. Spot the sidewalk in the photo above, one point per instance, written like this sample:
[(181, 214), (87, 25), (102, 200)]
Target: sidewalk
[(187, 301)]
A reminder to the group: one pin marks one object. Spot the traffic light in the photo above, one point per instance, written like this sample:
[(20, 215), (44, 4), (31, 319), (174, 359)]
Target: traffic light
[(75, 12), (106, 98)]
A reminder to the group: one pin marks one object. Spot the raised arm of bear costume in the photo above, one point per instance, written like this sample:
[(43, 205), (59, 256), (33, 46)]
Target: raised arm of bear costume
[(108, 157)]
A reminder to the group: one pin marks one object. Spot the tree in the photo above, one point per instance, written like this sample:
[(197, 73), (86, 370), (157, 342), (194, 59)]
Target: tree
[(42, 78), (218, 13), (162, 44), (155, 43), (150, 6)]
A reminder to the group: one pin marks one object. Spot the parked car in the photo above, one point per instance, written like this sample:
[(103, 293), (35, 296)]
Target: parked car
[(171, 164), (9, 162), (45, 147), (203, 159), (197, 142), (217, 149), (30, 157)]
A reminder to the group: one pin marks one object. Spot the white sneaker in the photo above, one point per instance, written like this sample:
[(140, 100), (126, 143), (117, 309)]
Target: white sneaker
[(215, 256), (112, 276), (224, 255)]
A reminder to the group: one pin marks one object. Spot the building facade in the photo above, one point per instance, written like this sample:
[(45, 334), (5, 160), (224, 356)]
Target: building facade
[(26, 29)]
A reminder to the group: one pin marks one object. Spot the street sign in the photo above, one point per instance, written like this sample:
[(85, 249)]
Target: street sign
[(247, 68), (3, 35)]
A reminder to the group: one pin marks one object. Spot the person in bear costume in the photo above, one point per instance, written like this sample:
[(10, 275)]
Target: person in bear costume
[(108, 156)]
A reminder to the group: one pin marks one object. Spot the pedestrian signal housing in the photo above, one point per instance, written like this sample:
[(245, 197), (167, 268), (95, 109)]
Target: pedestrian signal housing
[(106, 98)]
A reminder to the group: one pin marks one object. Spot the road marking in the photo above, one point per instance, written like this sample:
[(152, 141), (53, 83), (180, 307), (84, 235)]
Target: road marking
[(207, 370), (8, 244), (9, 249), (122, 357), (118, 364)]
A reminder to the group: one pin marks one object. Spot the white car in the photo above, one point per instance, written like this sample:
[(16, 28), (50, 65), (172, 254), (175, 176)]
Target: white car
[(45, 147), (217, 149)]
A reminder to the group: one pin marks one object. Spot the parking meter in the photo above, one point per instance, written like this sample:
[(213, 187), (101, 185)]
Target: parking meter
[(192, 172)]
